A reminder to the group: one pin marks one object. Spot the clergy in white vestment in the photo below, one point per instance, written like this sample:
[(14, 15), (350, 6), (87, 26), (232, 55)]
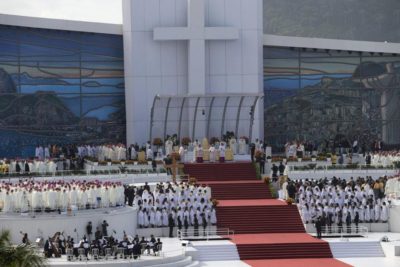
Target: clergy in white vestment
[(52, 199), (182, 153), (233, 145), (149, 154), (242, 147), (199, 154), (213, 153)]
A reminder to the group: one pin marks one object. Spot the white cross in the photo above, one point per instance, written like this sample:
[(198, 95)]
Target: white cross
[(196, 33)]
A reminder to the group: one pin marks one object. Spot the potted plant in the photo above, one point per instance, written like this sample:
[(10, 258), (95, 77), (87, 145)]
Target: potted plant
[(289, 201), (186, 141)]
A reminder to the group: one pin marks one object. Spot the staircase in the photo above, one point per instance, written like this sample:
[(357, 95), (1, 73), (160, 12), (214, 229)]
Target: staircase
[(243, 190), (356, 249), (260, 219), (284, 251), (222, 252), (221, 171)]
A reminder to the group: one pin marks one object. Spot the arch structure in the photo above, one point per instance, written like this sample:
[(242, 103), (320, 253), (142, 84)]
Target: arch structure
[(199, 116)]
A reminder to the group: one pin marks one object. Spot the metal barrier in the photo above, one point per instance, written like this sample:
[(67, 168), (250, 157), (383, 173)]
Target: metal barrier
[(207, 234), (335, 230)]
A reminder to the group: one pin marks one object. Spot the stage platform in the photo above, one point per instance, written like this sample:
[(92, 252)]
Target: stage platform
[(47, 224)]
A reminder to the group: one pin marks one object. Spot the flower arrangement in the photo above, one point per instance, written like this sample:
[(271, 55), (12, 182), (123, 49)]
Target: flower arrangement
[(129, 162), (258, 154), (245, 139), (115, 162), (157, 141), (289, 201), (214, 202), (102, 163), (214, 140), (186, 141), (267, 179)]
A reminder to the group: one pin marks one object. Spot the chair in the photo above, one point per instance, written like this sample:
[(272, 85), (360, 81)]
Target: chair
[(158, 251), (95, 254), (70, 254), (81, 254), (107, 253), (121, 253), (143, 249)]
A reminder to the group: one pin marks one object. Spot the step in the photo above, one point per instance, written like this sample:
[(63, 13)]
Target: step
[(353, 249), (182, 263)]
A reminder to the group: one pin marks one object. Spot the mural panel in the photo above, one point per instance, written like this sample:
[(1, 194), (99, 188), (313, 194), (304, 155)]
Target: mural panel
[(59, 87), (326, 96)]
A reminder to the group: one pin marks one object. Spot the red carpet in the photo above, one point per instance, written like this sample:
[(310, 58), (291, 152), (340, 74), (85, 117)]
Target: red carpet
[(268, 232), (240, 190), (250, 202), (297, 263), (221, 171)]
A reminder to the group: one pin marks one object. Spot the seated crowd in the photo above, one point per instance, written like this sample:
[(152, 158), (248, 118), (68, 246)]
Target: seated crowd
[(29, 195), (173, 204), (338, 202), (102, 245)]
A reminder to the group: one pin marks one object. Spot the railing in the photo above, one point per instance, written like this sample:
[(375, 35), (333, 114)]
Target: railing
[(306, 166), (69, 173), (343, 231), (207, 234)]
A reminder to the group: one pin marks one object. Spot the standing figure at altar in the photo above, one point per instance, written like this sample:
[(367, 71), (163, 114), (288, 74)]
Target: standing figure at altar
[(199, 154), (213, 153), (242, 147), (149, 153), (168, 147), (222, 152), (232, 145), (182, 153)]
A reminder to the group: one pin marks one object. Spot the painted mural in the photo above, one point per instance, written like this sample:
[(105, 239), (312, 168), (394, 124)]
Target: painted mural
[(59, 87), (331, 96)]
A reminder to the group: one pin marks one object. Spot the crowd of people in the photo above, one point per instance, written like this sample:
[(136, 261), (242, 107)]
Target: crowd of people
[(174, 205), (27, 195), (339, 202)]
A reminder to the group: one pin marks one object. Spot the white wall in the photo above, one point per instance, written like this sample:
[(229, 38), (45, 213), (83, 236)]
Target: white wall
[(153, 67)]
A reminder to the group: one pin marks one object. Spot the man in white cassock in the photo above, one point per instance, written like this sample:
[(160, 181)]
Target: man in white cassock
[(149, 154)]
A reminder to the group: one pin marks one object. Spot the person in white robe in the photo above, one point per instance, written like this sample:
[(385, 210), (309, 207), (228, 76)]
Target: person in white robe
[(140, 218), (158, 218), (213, 153), (182, 153), (164, 217), (242, 147), (52, 199), (222, 152), (169, 147), (233, 145), (384, 213)]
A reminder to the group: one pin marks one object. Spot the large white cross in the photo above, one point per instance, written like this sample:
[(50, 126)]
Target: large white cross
[(196, 33)]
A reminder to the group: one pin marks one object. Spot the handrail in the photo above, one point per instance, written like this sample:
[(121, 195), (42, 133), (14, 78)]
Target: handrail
[(200, 234), (335, 230)]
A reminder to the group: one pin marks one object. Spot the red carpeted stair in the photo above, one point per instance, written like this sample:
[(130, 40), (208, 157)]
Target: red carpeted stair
[(240, 190), (260, 219), (267, 232), (221, 171)]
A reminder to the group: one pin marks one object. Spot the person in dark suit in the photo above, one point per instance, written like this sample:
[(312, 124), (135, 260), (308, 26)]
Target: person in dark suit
[(368, 159), (318, 227), (252, 151), (281, 169), (171, 225), (348, 222), (274, 171)]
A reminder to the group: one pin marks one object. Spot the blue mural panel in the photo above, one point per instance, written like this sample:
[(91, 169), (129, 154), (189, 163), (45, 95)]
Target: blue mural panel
[(59, 87)]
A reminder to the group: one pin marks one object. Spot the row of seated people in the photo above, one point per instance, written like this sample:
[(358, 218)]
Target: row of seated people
[(106, 247), (360, 200)]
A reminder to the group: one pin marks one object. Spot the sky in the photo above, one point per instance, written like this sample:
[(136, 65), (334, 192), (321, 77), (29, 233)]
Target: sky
[(106, 11)]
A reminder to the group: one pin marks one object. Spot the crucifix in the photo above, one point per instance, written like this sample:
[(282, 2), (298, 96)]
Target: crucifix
[(175, 166), (196, 33)]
